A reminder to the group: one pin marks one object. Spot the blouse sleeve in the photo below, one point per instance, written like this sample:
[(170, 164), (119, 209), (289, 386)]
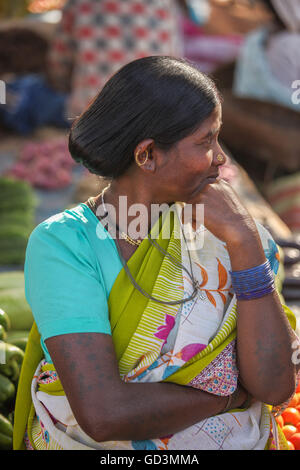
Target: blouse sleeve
[(62, 284)]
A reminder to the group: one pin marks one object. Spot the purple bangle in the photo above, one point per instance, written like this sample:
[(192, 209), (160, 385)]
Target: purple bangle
[(253, 283), (256, 294)]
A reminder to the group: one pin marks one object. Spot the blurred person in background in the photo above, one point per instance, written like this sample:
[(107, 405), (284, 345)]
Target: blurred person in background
[(269, 61), (95, 38)]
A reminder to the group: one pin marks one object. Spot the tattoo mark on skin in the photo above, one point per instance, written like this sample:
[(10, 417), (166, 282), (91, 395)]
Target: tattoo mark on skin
[(272, 349), (92, 357)]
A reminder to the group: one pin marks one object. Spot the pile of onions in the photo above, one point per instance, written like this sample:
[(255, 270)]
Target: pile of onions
[(45, 165)]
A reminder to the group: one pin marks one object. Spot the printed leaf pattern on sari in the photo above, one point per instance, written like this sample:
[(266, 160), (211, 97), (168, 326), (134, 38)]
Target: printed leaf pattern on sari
[(203, 274), (222, 278)]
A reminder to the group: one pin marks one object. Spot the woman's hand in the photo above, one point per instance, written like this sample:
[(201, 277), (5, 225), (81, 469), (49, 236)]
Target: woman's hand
[(239, 398), (224, 214), (264, 336)]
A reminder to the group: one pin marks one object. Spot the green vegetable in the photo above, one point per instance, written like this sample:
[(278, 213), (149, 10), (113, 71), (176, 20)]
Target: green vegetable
[(6, 433), (15, 217), (11, 417), (11, 358), (14, 302), (13, 242), (16, 195), (4, 320), (11, 280), (17, 205), (3, 334), (18, 337), (7, 390)]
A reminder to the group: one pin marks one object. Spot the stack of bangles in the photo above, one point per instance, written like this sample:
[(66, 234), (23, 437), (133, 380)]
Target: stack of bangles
[(253, 283)]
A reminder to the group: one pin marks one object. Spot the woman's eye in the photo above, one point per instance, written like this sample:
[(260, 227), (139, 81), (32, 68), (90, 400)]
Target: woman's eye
[(208, 142)]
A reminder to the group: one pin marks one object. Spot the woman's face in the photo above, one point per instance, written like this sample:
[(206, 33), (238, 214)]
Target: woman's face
[(192, 162)]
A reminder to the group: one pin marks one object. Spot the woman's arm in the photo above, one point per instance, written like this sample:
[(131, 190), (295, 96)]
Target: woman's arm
[(107, 408), (264, 335)]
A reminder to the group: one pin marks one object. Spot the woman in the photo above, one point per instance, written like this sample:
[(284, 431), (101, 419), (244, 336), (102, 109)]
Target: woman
[(269, 62), (153, 341)]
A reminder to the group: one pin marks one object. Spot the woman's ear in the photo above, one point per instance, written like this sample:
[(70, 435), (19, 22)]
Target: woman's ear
[(143, 155)]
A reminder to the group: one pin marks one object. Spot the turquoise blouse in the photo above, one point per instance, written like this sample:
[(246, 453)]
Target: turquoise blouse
[(70, 267)]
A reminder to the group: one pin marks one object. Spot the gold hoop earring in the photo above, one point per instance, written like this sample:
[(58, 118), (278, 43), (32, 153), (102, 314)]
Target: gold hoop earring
[(143, 163)]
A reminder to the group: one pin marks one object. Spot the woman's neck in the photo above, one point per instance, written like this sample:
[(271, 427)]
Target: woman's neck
[(131, 205)]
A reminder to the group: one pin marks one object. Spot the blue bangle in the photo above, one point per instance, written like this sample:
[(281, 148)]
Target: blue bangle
[(253, 283)]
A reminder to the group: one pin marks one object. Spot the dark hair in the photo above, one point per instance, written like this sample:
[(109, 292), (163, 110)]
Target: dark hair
[(158, 97)]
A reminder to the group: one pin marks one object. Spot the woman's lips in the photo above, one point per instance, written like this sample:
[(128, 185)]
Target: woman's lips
[(208, 180), (212, 178)]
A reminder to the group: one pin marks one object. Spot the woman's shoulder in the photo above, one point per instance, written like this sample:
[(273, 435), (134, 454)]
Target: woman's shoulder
[(71, 227), (75, 215)]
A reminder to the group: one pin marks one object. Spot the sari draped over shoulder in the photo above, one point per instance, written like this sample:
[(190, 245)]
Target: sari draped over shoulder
[(191, 344)]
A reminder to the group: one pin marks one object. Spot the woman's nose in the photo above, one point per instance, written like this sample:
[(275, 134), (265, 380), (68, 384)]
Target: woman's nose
[(220, 158)]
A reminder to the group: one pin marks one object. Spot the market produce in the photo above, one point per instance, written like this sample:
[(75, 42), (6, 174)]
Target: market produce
[(12, 347), (289, 421), (17, 308), (289, 430), (13, 302), (16, 196), (13, 358), (4, 320), (17, 205), (291, 416), (18, 338), (295, 401), (46, 165), (7, 391), (295, 440), (3, 334), (13, 242), (291, 446), (11, 280), (6, 433)]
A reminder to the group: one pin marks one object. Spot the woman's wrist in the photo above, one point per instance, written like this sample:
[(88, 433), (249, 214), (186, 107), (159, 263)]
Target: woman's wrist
[(245, 252), (233, 400), (239, 397), (254, 282), (237, 237)]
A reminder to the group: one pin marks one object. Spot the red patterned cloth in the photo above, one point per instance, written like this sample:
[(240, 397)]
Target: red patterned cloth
[(220, 377), (97, 37)]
